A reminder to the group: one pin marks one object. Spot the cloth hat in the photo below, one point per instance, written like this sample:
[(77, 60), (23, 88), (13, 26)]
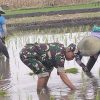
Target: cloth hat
[(1, 11)]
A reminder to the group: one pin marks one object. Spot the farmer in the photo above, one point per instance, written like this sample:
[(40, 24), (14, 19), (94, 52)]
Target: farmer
[(3, 29), (42, 58), (88, 46)]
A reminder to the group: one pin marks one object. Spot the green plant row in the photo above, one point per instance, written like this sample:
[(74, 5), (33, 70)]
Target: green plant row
[(55, 8)]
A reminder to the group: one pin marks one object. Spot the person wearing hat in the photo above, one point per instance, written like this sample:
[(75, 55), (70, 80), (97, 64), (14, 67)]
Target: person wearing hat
[(89, 46), (42, 58), (3, 29), (3, 32)]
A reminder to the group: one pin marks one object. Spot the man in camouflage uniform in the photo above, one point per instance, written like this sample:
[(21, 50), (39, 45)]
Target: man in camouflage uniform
[(42, 58), (88, 46)]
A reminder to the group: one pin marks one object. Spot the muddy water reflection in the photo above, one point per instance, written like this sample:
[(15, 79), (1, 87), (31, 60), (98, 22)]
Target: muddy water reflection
[(21, 86)]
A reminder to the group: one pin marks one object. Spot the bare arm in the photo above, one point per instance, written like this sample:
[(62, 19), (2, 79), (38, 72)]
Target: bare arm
[(66, 80)]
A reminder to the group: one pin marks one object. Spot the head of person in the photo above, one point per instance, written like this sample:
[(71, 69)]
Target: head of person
[(69, 55), (1, 11), (69, 52)]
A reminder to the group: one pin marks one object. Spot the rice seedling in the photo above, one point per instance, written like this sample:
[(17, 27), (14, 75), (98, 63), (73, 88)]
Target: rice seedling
[(1, 76), (98, 95), (52, 98), (71, 70), (2, 93), (31, 73)]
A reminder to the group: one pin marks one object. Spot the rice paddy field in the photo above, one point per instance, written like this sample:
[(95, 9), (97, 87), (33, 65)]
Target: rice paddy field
[(18, 83)]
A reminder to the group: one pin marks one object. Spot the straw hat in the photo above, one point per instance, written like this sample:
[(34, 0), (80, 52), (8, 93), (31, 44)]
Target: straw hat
[(1, 11)]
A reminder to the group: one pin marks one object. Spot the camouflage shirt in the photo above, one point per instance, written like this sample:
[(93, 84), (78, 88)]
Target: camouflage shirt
[(48, 56)]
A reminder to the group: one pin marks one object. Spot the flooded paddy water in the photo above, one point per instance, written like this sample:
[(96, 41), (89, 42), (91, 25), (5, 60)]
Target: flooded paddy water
[(18, 84)]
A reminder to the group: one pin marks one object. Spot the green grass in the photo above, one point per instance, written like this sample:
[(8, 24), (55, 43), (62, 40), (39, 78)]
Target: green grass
[(48, 9)]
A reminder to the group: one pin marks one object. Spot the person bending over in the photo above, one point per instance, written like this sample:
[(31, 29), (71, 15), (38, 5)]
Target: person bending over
[(88, 46), (42, 58)]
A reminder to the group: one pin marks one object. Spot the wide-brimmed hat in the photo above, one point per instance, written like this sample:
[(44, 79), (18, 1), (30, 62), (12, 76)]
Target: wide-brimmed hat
[(1, 11)]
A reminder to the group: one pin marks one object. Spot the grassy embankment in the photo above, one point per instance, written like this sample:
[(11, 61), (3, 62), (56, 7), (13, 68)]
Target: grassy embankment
[(44, 18), (48, 9)]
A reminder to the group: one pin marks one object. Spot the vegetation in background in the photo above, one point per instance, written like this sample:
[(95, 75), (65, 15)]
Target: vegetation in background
[(45, 18), (48, 9), (10, 4)]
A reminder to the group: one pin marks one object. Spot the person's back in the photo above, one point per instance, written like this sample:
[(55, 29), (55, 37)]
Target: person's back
[(49, 54), (89, 46)]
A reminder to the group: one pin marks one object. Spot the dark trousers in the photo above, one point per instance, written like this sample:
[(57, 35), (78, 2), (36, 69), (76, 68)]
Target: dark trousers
[(3, 39), (92, 61)]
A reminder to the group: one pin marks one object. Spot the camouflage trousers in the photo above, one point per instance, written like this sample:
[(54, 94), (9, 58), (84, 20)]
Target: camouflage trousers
[(29, 57)]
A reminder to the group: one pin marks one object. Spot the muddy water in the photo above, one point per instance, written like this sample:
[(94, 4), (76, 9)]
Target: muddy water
[(19, 85)]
